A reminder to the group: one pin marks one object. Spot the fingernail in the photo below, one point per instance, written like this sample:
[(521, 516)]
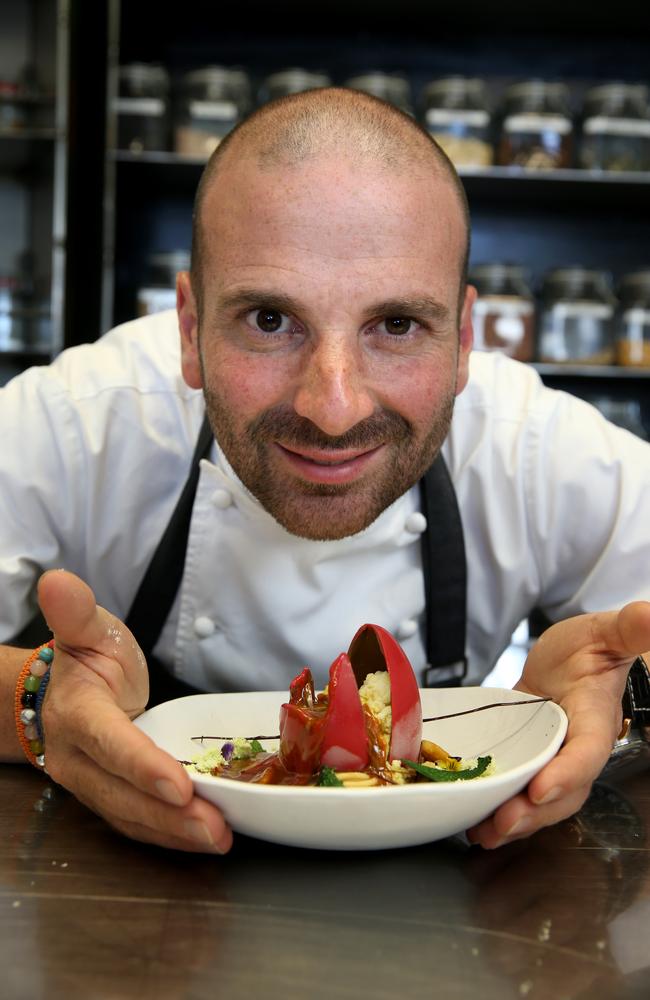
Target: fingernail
[(198, 831), (552, 795), (523, 823), (169, 792)]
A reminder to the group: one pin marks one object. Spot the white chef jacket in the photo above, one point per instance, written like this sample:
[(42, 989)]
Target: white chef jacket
[(96, 447)]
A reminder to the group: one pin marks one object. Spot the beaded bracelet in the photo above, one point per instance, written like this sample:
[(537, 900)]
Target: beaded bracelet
[(30, 691)]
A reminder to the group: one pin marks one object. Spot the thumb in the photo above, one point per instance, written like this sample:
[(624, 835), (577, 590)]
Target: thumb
[(92, 635)]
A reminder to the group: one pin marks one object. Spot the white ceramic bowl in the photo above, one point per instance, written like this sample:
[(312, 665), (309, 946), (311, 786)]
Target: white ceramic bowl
[(521, 739)]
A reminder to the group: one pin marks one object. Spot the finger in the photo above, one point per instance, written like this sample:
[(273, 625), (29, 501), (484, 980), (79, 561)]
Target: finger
[(518, 818), (89, 720), (72, 614), (590, 737), (198, 826), (620, 634)]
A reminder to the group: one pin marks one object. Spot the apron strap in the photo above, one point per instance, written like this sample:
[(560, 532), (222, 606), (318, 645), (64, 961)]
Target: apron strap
[(159, 586), (443, 564), (444, 567)]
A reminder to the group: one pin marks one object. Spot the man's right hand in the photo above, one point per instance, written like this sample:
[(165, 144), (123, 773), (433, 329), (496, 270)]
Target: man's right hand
[(99, 683)]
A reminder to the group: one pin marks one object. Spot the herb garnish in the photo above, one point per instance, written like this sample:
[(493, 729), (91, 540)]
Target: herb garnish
[(327, 778), (440, 774)]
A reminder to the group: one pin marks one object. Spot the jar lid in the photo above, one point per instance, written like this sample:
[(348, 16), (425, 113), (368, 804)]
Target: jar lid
[(537, 95), (169, 262), (143, 80), (455, 92), (618, 99), (216, 83), (294, 81), (389, 87), (636, 284), (500, 279), (578, 283)]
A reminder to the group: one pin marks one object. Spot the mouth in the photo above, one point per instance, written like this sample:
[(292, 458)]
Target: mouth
[(327, 466)]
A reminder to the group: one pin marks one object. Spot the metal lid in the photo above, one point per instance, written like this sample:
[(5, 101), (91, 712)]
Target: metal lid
[(540, 96), (455, 92), (635, 287), (389, 87), (500, 279), (622, 100), (293, 81), (578, 283), (214, 83), (143, 80)]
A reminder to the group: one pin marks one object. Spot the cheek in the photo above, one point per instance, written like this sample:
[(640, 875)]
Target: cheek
[(419, 391), (245, 384)]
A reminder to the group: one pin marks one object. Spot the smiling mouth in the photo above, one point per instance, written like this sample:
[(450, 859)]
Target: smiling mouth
[(327, 466)]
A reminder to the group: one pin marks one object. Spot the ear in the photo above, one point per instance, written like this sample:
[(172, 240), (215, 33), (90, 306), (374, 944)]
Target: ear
[(466, 338), (188, 324)]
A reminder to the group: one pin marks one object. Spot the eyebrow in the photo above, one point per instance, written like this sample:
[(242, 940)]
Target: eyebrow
[(425, 305)]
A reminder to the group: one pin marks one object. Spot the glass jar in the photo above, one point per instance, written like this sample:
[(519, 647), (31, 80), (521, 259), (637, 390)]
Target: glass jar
[(504, 312), (455, 112), (142, 107), (633, 320), (624, 413), (210, 102), (389, 87), (576, 321), (536, 130), (616, 128), (291, 81), (159, 289)]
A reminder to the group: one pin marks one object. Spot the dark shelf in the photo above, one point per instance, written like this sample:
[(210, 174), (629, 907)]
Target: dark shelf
[(497, 184), (590, 371)]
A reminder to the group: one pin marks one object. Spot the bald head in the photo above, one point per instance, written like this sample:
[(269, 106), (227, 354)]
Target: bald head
[(333, 122)]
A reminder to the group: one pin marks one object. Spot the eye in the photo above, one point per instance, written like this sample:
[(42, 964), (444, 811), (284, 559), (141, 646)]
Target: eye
[(397, 326), (269, 321)]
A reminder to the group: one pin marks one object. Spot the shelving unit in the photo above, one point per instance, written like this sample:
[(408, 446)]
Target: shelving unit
[(542, 220), (33, 162)]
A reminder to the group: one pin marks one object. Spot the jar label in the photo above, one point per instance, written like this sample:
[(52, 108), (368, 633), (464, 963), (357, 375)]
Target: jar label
[(447, 116), (535, 122), (506, 305), (637, 316), (153, 106), (592, 310), (214, 110), (153, 300), (602, 125)]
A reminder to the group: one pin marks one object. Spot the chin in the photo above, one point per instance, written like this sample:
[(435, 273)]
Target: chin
[(325, 522)]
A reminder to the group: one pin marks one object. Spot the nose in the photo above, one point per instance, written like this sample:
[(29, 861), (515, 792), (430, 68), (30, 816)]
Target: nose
[(333, 390)]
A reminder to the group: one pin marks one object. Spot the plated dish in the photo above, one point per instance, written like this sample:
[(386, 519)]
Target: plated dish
[(520, 739)]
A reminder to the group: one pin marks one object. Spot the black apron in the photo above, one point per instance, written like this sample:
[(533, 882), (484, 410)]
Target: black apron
[(443, 565)]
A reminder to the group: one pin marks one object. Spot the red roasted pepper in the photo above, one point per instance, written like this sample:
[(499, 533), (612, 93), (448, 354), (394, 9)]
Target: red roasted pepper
[(313, 734), (372, 649)]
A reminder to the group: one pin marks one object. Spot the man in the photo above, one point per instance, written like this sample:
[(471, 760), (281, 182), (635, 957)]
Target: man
[(327, 325)]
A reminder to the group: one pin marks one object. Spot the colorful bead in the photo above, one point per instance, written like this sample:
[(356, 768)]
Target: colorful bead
[(30, 691)]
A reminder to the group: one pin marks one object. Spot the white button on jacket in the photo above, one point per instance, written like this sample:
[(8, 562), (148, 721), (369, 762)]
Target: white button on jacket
[(222, 499), (416, 523), (204, 626)]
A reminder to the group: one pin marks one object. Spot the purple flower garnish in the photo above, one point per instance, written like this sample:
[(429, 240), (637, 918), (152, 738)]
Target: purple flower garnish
[(227, 750)]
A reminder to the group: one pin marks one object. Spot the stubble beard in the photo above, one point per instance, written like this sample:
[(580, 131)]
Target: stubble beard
[(323, 511)]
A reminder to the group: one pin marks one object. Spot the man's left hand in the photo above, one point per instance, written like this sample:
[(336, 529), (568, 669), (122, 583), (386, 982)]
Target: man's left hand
[(582, 664)]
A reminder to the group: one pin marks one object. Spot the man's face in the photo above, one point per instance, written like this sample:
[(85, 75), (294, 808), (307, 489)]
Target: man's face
[(330, 349)]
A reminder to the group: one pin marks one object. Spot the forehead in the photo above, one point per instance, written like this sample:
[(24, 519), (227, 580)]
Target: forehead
[(332, 216)]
